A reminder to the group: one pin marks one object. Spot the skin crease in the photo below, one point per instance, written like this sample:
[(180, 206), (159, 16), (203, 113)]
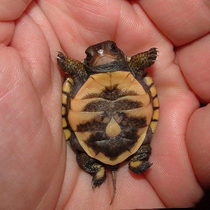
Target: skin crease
[(36, 169)]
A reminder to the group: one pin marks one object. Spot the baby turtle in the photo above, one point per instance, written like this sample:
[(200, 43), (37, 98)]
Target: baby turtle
[(110, 109)]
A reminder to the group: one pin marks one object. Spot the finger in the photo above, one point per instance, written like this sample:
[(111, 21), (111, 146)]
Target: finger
[(6, 33), (198, 144), (194, 60), (79, 25), (181, 21), (11, 10), (31, 41)]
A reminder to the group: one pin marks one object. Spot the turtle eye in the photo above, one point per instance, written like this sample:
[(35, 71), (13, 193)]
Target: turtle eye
[(113, 47), (88, 56)]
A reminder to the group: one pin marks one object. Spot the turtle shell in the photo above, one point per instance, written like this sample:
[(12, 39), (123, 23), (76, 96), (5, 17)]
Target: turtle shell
[(111, 114)]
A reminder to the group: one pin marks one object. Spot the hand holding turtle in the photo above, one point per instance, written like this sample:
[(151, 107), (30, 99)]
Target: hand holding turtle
[(36, 171)]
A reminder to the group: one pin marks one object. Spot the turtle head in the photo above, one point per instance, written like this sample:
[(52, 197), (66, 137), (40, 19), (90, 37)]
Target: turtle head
[(103, 53)]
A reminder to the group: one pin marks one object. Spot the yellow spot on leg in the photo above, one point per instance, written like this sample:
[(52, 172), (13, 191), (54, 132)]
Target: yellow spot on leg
[(101, 173), (135, 164)]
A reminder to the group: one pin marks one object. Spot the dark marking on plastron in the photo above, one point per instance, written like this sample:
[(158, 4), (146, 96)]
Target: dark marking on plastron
[(111, 106), (129, 133), (99, 123), (110, 94), (111, 147), (124, 121), (91, 126), (102, 105), (127, 105)]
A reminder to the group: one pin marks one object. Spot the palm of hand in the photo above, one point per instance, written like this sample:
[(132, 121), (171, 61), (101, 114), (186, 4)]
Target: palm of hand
[(36, 170)]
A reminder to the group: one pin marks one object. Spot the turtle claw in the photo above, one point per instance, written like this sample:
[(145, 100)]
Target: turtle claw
[(93, 167), (139, 162)]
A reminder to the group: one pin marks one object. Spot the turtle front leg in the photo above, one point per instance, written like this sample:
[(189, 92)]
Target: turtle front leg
[(139, 162), (93, 167), (73, 68), (143, 60)]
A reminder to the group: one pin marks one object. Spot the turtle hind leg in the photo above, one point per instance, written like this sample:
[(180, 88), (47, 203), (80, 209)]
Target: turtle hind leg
[(139, 162), (93, 167)]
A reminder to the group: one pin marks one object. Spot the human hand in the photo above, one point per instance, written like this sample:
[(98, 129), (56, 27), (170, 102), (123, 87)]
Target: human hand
[(36, 170)]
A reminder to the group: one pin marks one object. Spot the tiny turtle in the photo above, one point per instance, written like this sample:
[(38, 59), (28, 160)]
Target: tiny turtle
[(110, 109)]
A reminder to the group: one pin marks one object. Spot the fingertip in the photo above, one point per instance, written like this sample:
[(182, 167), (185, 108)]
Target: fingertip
[(198, 144)]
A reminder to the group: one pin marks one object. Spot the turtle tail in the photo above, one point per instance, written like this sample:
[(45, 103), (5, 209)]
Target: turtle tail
[(114, 176)]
